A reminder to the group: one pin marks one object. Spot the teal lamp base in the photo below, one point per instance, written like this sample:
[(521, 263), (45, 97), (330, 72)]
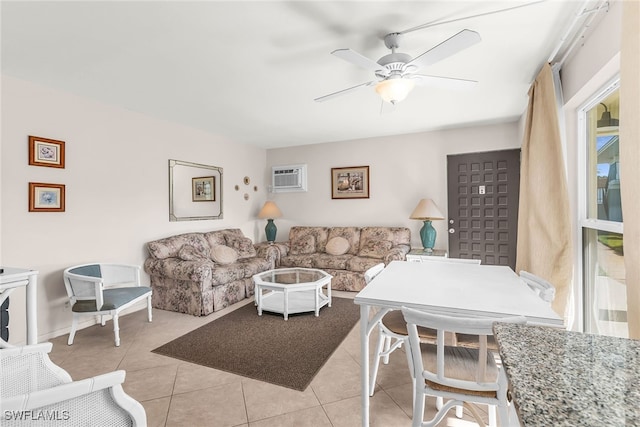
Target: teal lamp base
[(270, 230), (428, 236)]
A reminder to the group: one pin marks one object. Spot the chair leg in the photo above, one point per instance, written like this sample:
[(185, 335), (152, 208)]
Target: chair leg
[(503, 415), (116, 329), (413, 377), (74, 327), (376, 362), (492, 415), (102, 320), (149, 308), (439, 402), (418, 407), (459, 411)]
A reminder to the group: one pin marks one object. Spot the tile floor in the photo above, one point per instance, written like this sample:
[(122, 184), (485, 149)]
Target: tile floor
[(177, 393)]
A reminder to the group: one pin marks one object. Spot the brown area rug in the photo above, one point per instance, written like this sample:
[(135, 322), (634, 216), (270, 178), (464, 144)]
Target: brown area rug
[(268, 348)]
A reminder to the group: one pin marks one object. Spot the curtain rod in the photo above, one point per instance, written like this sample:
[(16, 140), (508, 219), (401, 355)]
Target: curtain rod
[(602, 4)]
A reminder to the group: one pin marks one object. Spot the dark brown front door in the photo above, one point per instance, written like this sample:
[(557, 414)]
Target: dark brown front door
[(483, 191)]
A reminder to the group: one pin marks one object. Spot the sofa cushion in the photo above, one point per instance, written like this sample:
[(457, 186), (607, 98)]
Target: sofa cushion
[(226, 273), (242, 245), (190, 253), (320, 234), (304, 261), (325, 261), (360, 264), (215, 238), (170, 246), (399, 236), (375, 248), (337, 246), (351, 234), (254, 266), (303, 245), (224, 254)]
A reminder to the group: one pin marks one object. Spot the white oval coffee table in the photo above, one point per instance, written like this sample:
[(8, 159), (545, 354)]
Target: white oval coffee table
[(292, 290)]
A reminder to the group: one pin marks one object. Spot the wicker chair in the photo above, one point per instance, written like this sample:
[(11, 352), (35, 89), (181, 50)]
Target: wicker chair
[(34, 389)]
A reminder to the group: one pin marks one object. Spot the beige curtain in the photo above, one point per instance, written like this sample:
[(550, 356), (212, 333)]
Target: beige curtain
[(544, 226), (630, 157)]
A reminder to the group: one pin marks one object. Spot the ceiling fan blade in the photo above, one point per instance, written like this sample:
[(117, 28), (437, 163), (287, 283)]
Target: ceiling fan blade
[(443, 82), (343, 91), (360, 60), (452, 45)]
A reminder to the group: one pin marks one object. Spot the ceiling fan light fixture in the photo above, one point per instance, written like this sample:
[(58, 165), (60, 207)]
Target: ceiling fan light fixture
[(394, 90)]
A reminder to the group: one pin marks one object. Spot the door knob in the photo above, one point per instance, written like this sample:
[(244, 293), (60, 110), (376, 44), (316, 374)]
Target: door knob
[(452, 230)]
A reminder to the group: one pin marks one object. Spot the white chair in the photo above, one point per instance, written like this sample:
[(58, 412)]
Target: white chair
[(32, 384), (373, 272), (463, 376), (104, 290), (392, 330), (545, 290)]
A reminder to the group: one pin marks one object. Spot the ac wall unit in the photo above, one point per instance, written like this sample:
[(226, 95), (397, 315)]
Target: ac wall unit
[(288, 178)]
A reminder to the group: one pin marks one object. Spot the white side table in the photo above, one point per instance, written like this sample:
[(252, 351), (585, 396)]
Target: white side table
[(420, 255), (13, 278)]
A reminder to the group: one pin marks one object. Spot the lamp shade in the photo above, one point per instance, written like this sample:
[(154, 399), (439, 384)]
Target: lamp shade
[(394, 90), (269, 211), (426, 210)]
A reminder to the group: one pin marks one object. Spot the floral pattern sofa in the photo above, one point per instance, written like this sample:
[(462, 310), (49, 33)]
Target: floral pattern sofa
[(313, 247), (199, 273)]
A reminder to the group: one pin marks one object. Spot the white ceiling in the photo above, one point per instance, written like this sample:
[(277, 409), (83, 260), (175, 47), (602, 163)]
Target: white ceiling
[(250, 70)]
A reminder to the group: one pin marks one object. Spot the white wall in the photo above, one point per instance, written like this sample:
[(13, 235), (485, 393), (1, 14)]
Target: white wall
[(116, 179), (403, 170)]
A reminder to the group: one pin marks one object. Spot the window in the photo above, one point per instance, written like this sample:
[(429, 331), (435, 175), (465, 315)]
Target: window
[(604, 289)]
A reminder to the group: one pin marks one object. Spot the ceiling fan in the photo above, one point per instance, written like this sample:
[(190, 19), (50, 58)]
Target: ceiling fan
[(396, 72)]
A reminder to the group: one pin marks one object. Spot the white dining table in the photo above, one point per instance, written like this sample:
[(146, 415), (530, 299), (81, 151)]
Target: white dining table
[(465, 290)]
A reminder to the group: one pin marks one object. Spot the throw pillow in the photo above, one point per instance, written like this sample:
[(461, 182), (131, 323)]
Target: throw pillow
[(243, 246), (190, 253), (337, 246), (303, 245), (224, 254), (375, 248)]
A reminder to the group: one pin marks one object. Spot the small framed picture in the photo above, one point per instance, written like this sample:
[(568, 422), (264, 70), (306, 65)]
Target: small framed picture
[(350, 183), (203, 189), (46, 197), (46, 152)]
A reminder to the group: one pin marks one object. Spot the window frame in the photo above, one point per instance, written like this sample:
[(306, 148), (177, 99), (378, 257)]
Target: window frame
[(584, 221)]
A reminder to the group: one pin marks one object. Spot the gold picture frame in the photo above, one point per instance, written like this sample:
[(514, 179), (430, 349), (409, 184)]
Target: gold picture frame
[(46, 152), (350, 182), (46, 197), (203, 189)]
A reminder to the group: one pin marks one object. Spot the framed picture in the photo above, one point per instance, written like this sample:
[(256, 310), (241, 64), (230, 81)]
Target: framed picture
[(203, 189), (46, 152), (46, 197), (350, 183)]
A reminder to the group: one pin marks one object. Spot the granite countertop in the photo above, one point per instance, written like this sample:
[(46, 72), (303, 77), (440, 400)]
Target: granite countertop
[(562, 378)]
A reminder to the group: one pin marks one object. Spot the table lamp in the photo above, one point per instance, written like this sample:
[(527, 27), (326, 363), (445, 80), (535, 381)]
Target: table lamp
[(427, 211), (270, 211)]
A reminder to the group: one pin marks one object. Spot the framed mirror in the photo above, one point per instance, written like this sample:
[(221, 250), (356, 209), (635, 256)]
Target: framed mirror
[(195, 191)]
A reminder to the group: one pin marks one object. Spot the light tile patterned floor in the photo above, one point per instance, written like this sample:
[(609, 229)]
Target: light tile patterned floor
[(177, 393)]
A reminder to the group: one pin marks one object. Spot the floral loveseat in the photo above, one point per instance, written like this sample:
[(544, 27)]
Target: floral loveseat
[(345, 252), (199, 273)]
